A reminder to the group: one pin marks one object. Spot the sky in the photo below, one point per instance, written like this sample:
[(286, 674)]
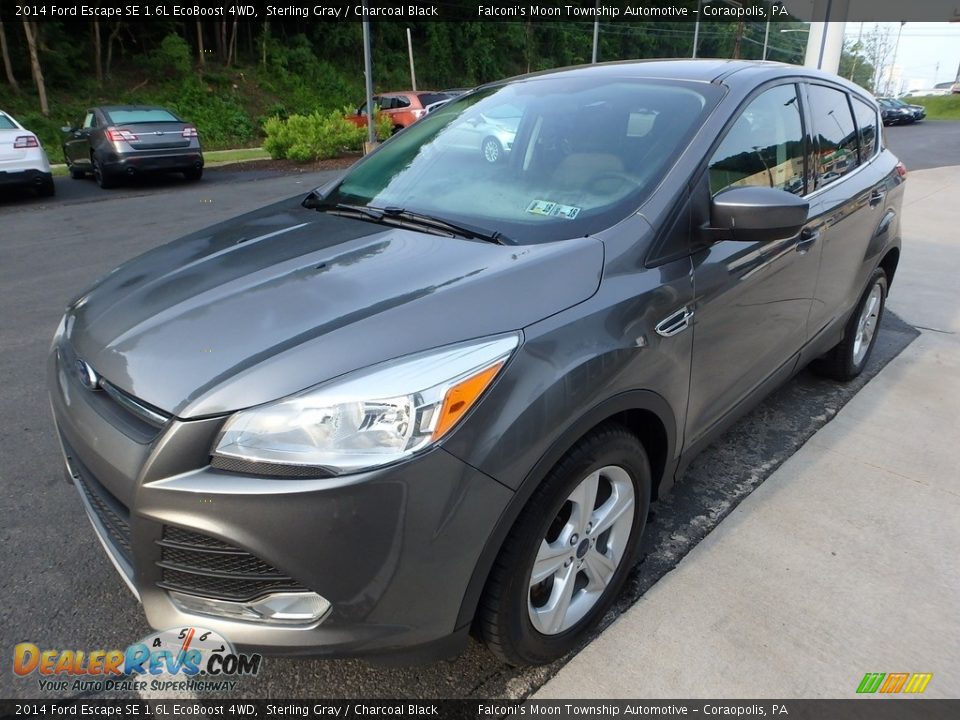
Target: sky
[(929, 52)]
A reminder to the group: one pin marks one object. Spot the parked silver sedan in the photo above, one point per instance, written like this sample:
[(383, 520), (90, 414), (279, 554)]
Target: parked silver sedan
[(491, 133)]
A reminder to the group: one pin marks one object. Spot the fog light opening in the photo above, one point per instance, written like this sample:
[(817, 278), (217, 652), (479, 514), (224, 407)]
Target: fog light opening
[(294, 608)]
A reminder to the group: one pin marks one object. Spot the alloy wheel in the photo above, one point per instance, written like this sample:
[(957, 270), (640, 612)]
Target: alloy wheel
[(491, 150), (867, 323), (581, 551)]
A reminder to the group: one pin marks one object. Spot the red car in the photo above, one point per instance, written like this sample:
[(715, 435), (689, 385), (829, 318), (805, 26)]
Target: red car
[(404, 107)]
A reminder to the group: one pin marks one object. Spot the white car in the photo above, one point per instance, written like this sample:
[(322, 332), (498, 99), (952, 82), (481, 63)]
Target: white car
[(23, 161)]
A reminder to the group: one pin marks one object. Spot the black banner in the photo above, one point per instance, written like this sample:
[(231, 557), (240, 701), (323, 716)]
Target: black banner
[(860, 709), (604, 11)]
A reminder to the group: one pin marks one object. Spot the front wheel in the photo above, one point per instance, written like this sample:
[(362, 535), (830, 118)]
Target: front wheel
[(849, 357), (193, 174), (569, 551)]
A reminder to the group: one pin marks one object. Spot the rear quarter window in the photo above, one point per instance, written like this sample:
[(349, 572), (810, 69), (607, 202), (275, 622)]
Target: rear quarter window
[(6, 123), (431, 98), (868, 132)]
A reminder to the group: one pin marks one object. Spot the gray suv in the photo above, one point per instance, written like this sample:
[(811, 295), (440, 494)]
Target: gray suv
[(439, 394)]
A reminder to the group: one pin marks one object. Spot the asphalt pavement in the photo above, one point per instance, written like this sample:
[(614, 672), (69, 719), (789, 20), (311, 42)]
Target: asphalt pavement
[(926, 144), (62, 591)]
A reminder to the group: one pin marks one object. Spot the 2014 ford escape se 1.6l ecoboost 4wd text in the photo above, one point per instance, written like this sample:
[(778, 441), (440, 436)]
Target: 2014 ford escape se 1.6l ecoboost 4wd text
[(440, 393)]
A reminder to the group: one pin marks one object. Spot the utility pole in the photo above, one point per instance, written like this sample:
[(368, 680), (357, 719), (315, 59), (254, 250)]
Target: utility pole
[(413, 74), (766, 39), (368, 72), (596, 39), (896, 49), (696, 31), (596, 33)]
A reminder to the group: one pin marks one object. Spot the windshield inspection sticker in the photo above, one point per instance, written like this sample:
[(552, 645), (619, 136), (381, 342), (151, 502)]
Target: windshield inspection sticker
[(552, 209)]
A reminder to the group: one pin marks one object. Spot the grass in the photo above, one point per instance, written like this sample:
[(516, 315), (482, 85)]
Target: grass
[(939, 107), (218, 157)]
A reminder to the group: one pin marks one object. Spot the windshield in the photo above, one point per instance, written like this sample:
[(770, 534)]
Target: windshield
[(126, 117), (537, 160)]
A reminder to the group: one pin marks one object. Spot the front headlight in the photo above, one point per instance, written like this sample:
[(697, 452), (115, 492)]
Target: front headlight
[(367, 418)]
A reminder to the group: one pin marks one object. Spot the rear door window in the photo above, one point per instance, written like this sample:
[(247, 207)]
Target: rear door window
[(867, 128), (836, 148), (764, 147)]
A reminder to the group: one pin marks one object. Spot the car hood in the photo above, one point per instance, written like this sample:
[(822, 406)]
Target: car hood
[(281, 299)]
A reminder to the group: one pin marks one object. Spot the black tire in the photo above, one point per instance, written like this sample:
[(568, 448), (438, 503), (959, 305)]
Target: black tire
[(104, 178), (76, 173), (504, 615), (193, 174), (843, 362), (491, 150), (46, 188)]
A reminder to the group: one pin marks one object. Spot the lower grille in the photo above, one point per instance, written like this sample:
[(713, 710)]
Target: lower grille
[(112, 514), (198, 564)]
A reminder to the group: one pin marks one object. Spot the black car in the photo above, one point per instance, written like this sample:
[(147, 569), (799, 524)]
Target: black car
[(439, 394), (895, 112), (120, 141), (919, 112)]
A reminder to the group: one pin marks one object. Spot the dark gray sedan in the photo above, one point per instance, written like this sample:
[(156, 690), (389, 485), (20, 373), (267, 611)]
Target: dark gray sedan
[(122, 141), (441, 393)]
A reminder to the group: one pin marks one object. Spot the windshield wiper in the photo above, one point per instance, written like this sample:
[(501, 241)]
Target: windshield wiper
[(430, 221), (403, 218)]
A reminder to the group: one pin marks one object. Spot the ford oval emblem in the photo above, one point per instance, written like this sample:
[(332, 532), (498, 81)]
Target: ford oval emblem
[(87, 376)]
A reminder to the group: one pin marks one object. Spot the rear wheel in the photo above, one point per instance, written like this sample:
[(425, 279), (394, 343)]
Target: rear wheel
[(105, 179), (193, 173), (849, 357), (77, 173), (569, 551), (492, 150)]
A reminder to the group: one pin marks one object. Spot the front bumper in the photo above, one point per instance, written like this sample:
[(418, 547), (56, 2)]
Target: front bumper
[(24, 178), (392, 550)]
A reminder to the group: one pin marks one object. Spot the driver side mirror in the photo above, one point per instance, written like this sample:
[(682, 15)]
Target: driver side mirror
[(756, 214)]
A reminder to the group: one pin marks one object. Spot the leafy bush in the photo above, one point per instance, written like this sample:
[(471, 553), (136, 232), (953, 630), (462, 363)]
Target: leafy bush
[(303, 138), (384, 126), (171, 60)]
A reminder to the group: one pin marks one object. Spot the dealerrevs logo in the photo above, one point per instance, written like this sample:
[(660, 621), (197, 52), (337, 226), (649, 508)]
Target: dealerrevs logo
[(189, 658)]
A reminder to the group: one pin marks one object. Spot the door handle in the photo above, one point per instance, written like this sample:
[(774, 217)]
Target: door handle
[(876, 197), (675, 323), (808, 236)]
